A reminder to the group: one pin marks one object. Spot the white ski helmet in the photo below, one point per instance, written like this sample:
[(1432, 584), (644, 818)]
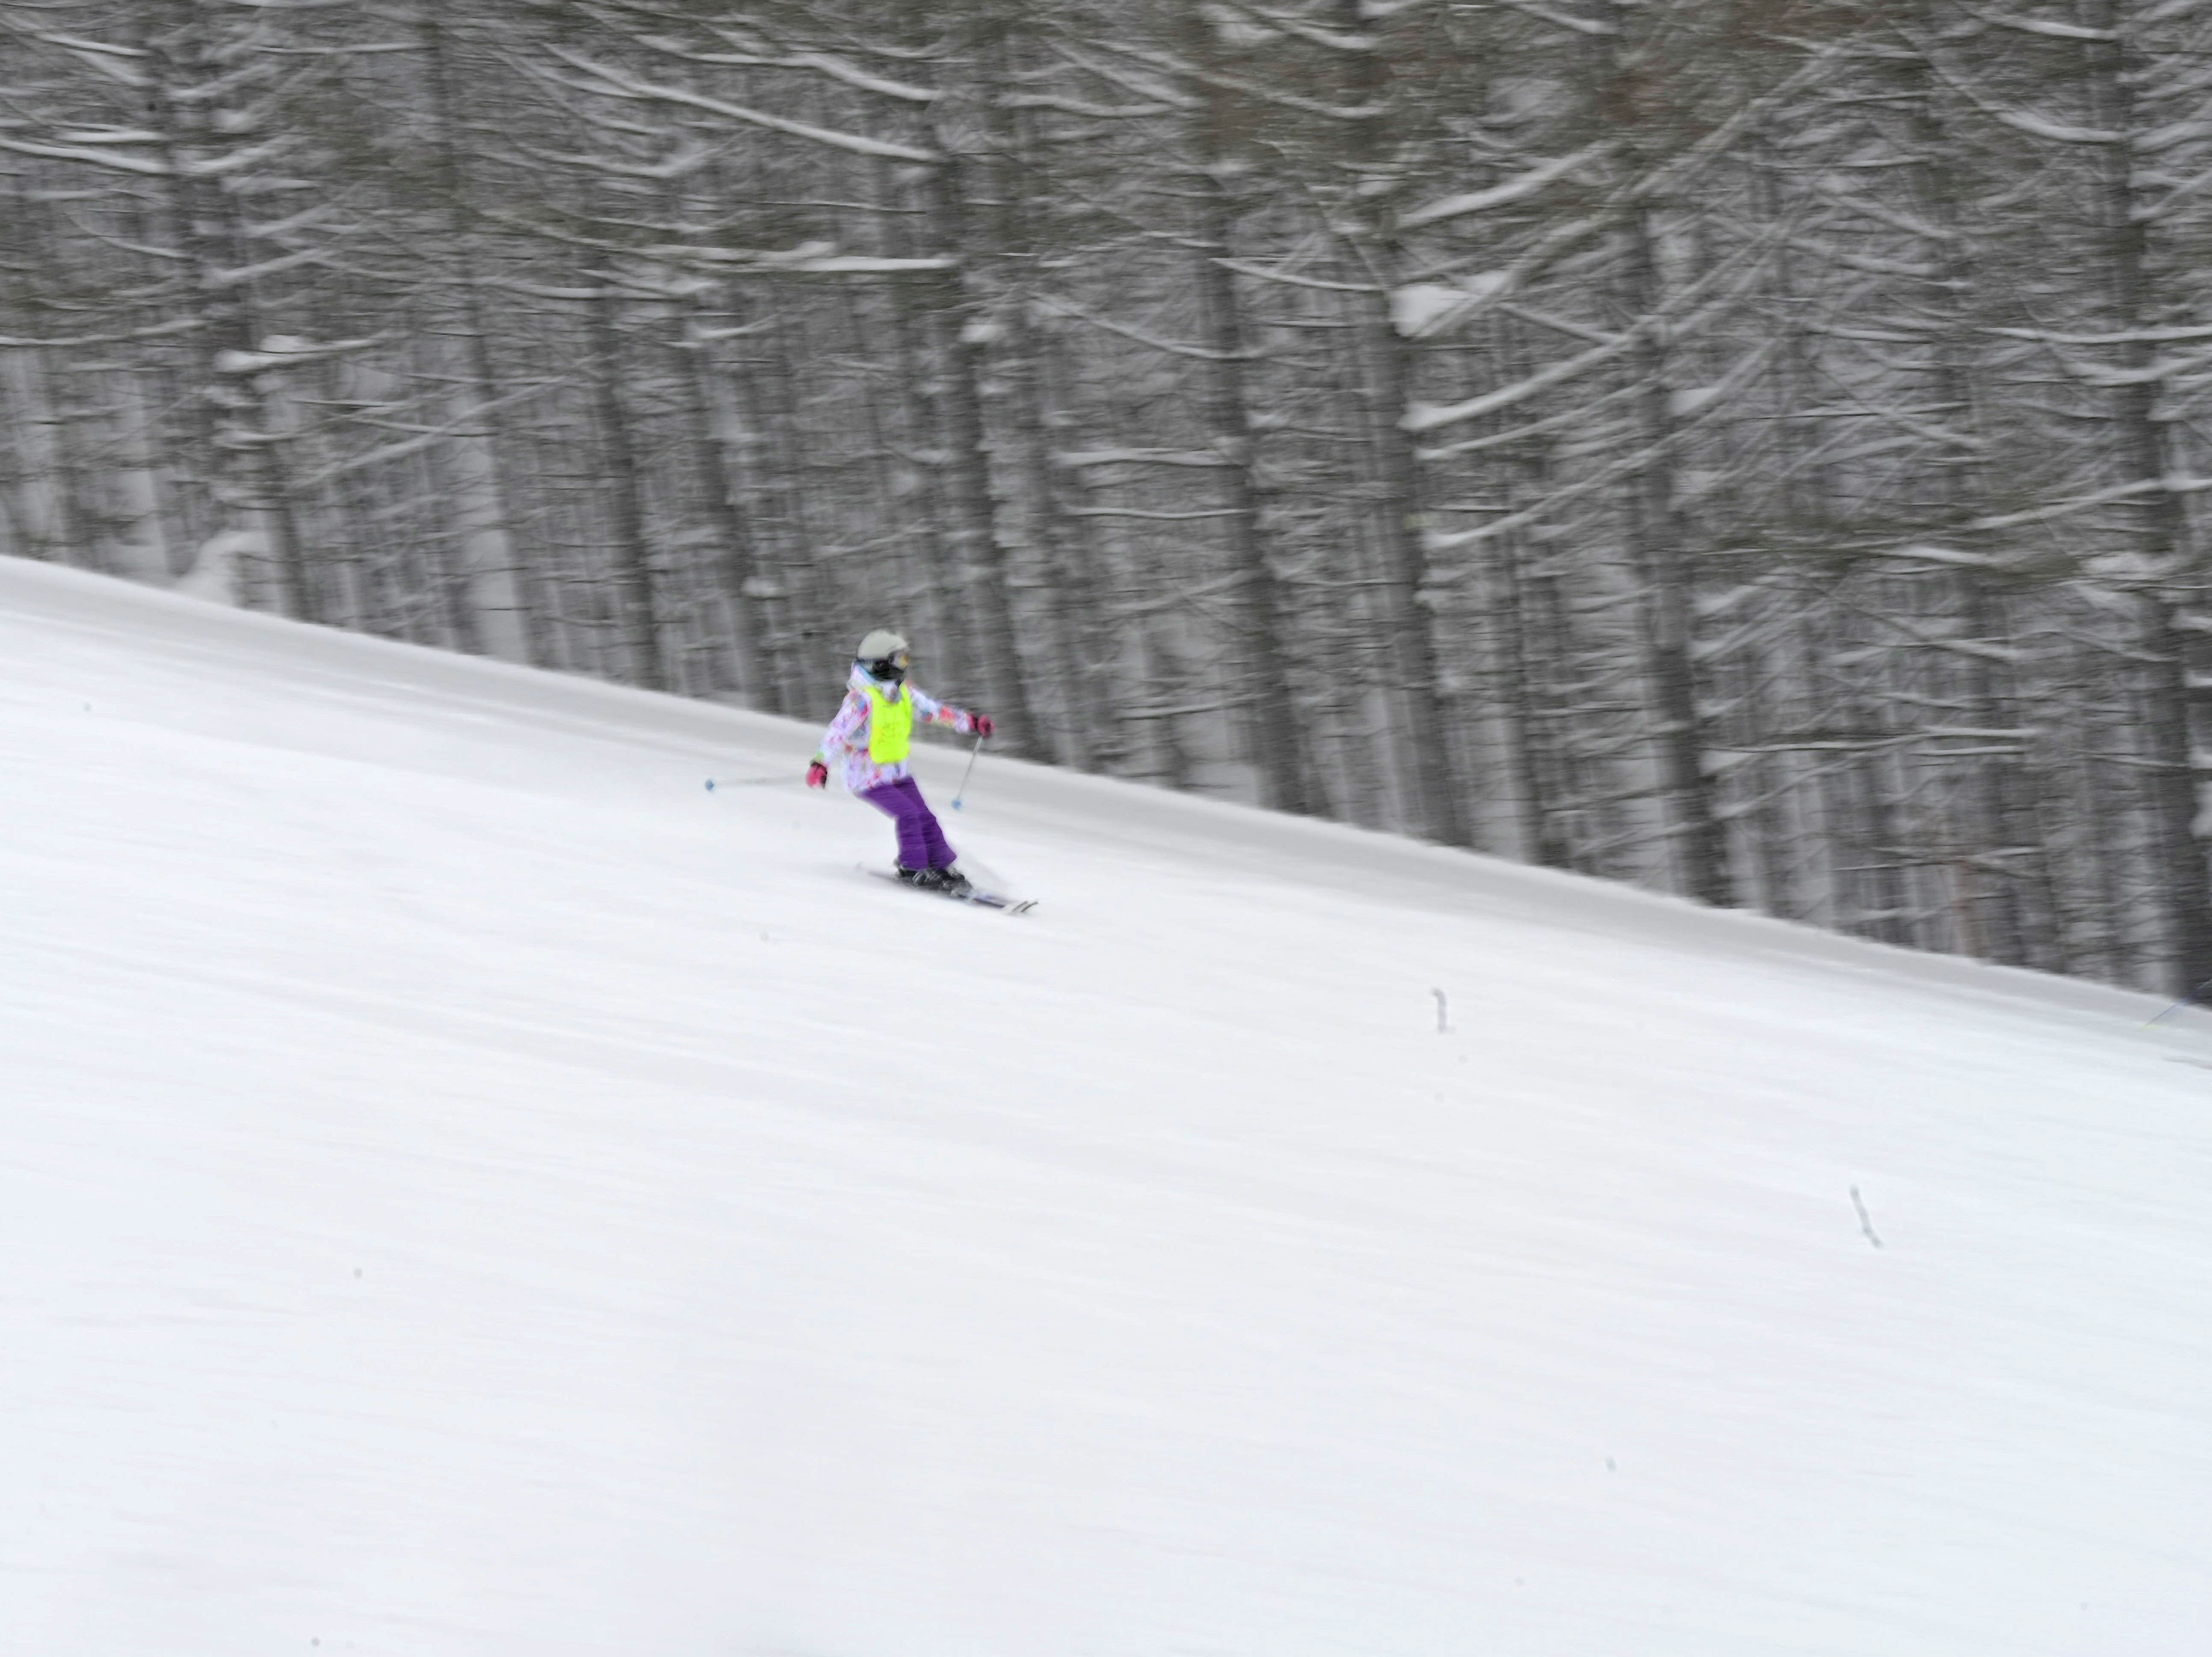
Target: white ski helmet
[(883, 656)]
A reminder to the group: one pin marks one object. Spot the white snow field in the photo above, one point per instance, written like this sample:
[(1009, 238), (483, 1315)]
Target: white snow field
[(466, 1189)]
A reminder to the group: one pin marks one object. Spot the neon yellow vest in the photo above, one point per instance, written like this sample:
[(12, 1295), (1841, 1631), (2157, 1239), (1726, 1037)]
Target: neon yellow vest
[(890, 726)]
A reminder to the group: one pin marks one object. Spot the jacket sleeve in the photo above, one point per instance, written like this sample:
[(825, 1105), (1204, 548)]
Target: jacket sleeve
[(928, 710), (844, 732)]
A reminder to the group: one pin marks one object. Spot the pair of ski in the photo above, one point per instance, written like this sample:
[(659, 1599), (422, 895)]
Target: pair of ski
[(975, 895)]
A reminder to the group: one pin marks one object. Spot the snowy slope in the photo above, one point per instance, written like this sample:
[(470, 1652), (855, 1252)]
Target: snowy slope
[(464, 1189)]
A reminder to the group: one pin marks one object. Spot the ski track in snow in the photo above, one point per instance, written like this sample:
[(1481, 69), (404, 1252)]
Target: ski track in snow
[(466, 1189)]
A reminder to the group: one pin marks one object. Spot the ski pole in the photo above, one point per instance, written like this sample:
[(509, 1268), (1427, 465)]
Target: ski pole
[(712, 783), (2185, 1001), (973, 754)]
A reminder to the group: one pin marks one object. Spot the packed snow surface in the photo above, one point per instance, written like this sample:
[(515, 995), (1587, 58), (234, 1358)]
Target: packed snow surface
[(465, 1188)]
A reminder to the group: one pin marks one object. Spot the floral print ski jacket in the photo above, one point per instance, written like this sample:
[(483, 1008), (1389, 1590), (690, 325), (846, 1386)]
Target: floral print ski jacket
[(848, 732)]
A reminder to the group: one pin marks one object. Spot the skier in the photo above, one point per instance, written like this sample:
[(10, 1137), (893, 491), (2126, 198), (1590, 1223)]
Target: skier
[(872, 730)]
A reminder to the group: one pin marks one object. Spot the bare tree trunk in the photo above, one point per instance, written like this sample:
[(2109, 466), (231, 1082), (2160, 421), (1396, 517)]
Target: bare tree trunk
[(484, 374), (1264, 607), (986, 571), (1660, 538), (2161, 526), (1997, 784), (922, 428), (240, 449), (455, 579), (1433, 786), (736, 564), (634, 573)]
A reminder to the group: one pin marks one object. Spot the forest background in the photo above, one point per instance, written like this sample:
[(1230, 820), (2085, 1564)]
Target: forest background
[(1751, 448)]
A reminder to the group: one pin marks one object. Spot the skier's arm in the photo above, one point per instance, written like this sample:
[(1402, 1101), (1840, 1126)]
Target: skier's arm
[(927, 710), (845, 729)]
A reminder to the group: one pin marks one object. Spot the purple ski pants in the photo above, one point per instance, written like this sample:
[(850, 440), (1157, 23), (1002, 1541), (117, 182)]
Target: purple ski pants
[(920, 841)]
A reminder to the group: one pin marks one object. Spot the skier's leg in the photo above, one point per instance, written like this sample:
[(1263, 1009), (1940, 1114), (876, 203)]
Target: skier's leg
[(894, 803), (939, 852)]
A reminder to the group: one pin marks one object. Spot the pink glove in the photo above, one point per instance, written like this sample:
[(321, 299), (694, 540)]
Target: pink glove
[(982, 724), (817, 775)]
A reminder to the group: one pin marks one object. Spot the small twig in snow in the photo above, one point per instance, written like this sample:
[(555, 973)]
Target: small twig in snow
[(1866, 1224)]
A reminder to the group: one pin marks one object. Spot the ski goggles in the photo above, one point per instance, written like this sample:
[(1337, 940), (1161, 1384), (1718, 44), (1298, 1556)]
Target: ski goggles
[(886, 669)]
